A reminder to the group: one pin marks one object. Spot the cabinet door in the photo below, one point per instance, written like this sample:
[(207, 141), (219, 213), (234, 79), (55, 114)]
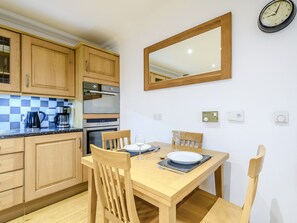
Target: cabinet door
[(52, 163), (101, 65), (47, 68), (9, 61)]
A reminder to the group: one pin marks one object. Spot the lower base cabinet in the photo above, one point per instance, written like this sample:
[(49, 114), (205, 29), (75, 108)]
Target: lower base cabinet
[(52, 163), (11, 198)]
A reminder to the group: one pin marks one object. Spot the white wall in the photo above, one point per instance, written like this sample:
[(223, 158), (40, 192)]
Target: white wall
[(264, 81)]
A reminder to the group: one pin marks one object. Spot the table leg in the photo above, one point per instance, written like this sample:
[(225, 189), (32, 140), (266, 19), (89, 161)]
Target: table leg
[(167, 214), (219, 177), (92, 197)]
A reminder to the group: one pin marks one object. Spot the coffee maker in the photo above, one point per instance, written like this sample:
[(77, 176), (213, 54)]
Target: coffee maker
[(62, 117)]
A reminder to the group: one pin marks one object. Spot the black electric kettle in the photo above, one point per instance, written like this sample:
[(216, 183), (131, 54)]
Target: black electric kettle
[(32, 120)]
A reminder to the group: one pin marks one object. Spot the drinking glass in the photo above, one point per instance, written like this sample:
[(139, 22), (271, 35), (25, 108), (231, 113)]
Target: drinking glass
[(139, 141), (176, 140)]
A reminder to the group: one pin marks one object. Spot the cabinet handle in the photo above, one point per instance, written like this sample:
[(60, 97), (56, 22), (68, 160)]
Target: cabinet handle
[(87, 67), (79, 143), (27, 80)]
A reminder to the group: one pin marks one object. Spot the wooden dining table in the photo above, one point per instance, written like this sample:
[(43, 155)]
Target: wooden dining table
[(161, 187)]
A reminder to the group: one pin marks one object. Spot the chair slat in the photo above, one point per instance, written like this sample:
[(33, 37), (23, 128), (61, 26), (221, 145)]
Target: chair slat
[(103, 178), (116, 139), (120, 193), (189, 139), (118, 210)]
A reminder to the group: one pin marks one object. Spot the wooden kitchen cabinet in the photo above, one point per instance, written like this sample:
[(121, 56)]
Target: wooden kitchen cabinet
[(154, 77), (10, 64), (53, 163), (11, 172), (47, 68), (97, 65)]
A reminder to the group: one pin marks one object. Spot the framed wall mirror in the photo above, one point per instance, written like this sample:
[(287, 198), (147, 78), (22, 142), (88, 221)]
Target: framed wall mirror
[(200, 54)]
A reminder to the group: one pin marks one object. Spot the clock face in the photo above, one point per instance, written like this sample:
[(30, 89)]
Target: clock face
[(276, 15)]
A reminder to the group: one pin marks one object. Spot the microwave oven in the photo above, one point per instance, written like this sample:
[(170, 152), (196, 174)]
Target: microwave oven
[(100, 99)]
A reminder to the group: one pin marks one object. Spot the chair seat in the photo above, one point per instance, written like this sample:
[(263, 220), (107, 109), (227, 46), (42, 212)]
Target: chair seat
[(194, 207), (223, 211), (206, 208), (147, 213)]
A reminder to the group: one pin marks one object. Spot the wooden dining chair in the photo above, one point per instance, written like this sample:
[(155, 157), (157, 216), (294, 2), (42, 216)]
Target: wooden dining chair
[(115, 193), (189, 139), (218, 210), (116, 140)]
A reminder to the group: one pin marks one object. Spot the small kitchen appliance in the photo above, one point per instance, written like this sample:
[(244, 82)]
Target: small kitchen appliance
[(62, 117), (32, 120)]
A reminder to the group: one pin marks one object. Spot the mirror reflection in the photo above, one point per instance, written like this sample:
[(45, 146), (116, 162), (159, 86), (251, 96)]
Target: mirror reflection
[(196, 55)]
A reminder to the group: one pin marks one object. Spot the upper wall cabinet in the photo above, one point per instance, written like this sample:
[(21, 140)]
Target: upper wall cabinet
[(9, 61), (98, 65), (47, 68)]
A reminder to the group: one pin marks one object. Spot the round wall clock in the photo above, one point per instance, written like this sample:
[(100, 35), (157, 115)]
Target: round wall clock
[(276, 15)]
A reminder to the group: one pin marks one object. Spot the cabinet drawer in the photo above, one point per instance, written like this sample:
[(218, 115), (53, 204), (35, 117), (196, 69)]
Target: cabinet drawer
[(11, 162), (11, 180), (11, 198), (11, 145)]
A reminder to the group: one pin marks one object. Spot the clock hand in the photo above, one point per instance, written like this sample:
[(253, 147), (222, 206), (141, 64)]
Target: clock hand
[(270, 15), (277, 8)]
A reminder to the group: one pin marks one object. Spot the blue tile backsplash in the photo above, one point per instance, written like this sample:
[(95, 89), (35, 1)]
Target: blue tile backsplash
[(14, 107)]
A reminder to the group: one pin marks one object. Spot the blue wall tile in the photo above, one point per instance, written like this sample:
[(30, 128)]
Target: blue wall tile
[(4, 118), (15, 96), (4, 102), (15, 110), (60, 103), (15, 125), (35, 108), (25, 103), (43, 103)]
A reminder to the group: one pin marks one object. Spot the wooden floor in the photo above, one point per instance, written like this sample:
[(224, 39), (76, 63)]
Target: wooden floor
[(71, 210)]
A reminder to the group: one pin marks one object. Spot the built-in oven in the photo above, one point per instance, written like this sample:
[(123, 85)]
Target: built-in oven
[(100, 99), (93, 129)]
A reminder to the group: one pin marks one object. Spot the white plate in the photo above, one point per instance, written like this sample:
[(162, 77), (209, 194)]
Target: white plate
[(135, 148), (184, 157)]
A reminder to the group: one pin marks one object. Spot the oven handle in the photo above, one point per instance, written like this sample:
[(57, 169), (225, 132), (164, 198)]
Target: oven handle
[(100, 128), (102, 92)]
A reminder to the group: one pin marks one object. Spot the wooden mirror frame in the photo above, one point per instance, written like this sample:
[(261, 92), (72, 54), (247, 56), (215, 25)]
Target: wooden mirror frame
[(225, 22)]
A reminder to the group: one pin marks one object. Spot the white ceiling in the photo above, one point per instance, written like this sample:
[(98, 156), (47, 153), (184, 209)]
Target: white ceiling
[(100, 21)]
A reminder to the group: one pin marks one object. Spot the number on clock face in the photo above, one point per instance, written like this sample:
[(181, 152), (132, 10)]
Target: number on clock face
[(276, 13)]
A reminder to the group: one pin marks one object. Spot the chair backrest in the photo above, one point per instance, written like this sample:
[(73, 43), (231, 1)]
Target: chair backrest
[(255, 168), (189, 139), (116, 140), (114, 192)]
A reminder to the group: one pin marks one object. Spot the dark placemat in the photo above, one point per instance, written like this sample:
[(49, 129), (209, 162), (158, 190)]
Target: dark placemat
[(183, 167), (152, 148)]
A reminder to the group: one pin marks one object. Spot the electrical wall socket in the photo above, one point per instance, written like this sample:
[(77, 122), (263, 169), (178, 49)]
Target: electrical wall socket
[(157, 116), (235, 116), (281, 117), (210, 116)]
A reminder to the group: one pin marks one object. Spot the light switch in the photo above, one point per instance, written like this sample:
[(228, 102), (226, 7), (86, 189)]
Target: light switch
[(235, 116), (281, 117), (210, 116)]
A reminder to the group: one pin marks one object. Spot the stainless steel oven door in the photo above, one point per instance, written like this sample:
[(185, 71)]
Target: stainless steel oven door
[(94, 136), (104, 100)]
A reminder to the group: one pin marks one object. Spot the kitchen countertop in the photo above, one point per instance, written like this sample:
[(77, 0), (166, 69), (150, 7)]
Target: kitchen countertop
[(35, 132)]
